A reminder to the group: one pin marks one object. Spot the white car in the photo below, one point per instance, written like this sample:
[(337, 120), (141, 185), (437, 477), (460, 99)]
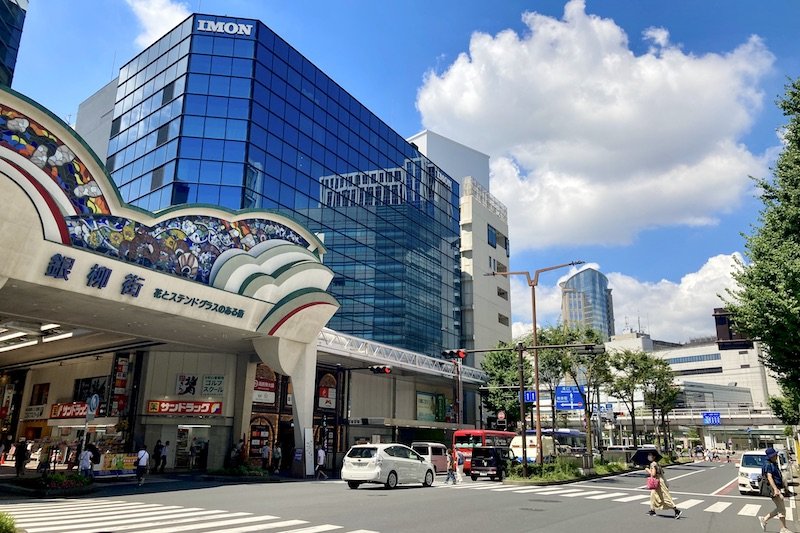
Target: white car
[(750, 469), (389, 464)]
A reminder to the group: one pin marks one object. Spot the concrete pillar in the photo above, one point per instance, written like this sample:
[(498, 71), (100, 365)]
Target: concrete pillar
[(298, 360), (243, 397)]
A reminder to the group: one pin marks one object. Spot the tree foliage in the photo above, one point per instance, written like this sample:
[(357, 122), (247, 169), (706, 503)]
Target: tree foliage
[(630, 370), (660, 393), (502, 367), (787, 407), (766, 304)]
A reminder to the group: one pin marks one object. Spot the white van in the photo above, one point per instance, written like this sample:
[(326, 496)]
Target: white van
[(530, 448), (434, 452), (750, 469)]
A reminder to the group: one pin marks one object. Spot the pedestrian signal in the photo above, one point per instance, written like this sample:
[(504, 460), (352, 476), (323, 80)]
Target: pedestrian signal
[(380, 369), (454, 354)]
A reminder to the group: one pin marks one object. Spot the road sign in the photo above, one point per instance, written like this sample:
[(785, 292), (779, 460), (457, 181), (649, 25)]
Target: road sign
[(607, 408), (711, 419), (92, 405), (530, 396), (568, 398)]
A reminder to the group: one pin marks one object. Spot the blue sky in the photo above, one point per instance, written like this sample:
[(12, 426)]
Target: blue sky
[(621, 133)]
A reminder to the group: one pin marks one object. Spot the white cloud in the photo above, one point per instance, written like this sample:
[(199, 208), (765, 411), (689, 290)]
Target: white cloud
[(590, 143), (669, 311), (157, 17)]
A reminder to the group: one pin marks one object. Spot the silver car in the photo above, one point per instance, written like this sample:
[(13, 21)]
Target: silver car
[(389, 464)]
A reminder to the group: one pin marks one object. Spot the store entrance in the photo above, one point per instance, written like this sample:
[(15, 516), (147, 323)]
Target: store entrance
[(191, 447)]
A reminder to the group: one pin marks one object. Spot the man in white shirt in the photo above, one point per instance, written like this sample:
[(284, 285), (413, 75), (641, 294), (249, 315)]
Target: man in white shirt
[(164, 455), (85, 463), (142, 462), (321, 463)]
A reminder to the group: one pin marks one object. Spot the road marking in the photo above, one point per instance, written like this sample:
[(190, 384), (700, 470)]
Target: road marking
[(717, 507), (689, 474), (165, 520), (503, 489), (632, 498), (252, 528), (92, 516), (362, 531), (583, 493), (216, 526), (88, 511), (313, 529), (750, 509), (604, 496), (487, 487), (735, 481), (127, 523), (535, 489), (558, 491), (789, 514), (688, 504)]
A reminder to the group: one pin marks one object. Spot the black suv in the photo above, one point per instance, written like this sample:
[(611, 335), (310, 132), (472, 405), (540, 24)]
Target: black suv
[(492, 461)]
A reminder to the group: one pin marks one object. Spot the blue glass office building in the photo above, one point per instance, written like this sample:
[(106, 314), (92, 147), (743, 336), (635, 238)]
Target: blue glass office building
[(586, 302), (12, 18), (222, 111)]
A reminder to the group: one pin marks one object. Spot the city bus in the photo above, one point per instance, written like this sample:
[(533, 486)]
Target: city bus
[(562, 441), (466, 439)]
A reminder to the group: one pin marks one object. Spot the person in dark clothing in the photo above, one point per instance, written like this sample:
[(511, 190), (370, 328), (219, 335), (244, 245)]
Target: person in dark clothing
[(21, 457)]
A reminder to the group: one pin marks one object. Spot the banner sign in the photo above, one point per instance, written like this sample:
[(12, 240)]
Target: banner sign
[(116, 464), (213, 385), (68, 410), (426, 409), (264, 391), (168, 407), (33, 412)]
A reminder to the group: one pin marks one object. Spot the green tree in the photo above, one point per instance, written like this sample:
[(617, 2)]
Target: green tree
[(660, 393), (766, 303), (502, 366), (552, 363), (787, 407), (590, 370), (629, 371)]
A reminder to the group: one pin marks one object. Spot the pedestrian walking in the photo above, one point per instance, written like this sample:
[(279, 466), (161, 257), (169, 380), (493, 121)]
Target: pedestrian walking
[(460, 458), (20, 457), (320, 472), (266, 456), (164, 455), (85, 463), (157, 450), (277, 455), (142, 462), (451, 473), (772, 479), (660, 498)]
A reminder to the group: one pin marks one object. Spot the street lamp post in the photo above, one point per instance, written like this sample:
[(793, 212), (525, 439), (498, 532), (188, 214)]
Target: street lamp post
[(532, 283)]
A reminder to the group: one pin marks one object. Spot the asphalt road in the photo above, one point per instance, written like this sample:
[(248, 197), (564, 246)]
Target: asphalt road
[(706, 491)]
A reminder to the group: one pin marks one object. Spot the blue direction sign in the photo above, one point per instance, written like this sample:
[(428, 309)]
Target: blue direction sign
[(568, 398), (711, 419), (530, 396)]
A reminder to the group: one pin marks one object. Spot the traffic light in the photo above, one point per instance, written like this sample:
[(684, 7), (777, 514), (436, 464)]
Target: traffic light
[(454, 354), (380, 369)]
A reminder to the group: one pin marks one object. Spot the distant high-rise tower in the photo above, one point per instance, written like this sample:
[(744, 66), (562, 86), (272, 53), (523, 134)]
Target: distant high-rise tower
[(12, 17), (586, 302)]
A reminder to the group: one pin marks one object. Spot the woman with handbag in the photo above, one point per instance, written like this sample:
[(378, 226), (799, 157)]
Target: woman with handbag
[(660, 498)]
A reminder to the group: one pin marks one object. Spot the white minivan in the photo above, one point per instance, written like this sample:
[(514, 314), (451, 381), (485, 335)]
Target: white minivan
[(390, 464), (434, 452), (750, 469), (531, 449)]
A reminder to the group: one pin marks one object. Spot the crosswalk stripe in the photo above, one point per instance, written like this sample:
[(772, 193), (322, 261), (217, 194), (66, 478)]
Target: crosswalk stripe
[(587, 493), (558, 491), (109, 520), (488, 487), (245, 529), (504, 489), (79, 515), (62, 505), (362, 531), (314, 529), (217, 525), (607, 495), (688, 504), (750, 509), (535, 489), (717, 507), (632, 498), (789, 514), (161, 521)]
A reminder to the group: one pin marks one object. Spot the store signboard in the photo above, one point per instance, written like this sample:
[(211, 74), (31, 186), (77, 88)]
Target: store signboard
[(168, 407), (33, 412), (426, 408), (327, 397), (68, 410), (116, 464), (213, 385), (264, 391), (186, 385)]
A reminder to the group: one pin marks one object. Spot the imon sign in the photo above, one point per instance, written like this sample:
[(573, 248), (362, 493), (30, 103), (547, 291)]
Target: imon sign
[(231, 28)]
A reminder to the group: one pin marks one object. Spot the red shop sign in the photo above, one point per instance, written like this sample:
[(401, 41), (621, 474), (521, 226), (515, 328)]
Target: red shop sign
[(69, 410), (168, 407)]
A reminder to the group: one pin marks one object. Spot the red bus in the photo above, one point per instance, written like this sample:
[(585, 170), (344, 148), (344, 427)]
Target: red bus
[(466, 439)]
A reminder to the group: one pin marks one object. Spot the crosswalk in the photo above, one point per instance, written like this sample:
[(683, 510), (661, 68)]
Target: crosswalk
[(643, 497), (95, 516)]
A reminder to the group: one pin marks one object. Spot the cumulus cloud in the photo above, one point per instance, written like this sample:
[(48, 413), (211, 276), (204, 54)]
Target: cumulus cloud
[(591, 143), (667, 310), (157, 17)]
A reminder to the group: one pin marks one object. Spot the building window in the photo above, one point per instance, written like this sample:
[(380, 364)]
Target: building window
[(492, 236), (503, 319), (693, 359), (502, 293), (39, 393), (697, 371)]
